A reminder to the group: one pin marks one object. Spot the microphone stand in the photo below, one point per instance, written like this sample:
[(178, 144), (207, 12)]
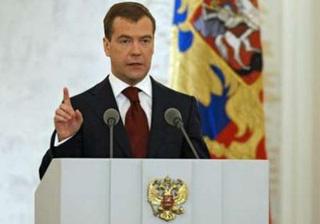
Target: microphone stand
[(111, 141), (179, 124), (190, 143)]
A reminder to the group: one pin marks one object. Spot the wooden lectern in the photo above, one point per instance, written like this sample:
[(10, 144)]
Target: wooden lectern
[(115, 191)]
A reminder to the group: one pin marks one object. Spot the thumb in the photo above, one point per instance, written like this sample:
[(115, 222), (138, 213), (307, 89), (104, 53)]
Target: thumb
[(78, 116)]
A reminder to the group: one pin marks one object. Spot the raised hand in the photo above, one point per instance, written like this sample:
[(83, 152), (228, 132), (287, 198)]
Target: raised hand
[(67, 121)]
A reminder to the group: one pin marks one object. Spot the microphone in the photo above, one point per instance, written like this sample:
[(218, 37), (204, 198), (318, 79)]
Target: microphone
[(111, 118), (174, 118)]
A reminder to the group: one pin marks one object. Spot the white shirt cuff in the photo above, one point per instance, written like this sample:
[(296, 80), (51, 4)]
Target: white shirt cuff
[(57, 142)]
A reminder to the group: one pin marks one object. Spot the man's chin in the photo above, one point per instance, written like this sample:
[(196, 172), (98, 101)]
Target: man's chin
[(136, 77)]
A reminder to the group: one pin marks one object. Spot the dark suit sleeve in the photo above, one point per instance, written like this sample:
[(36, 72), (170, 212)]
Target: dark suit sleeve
[(193, 128), (72, 148)]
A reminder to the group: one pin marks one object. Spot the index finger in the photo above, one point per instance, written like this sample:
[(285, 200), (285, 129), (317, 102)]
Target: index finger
[(66, 97)]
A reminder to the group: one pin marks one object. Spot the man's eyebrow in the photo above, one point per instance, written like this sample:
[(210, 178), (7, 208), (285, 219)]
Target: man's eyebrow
[(129, 37), (123, 36), (147, 36)]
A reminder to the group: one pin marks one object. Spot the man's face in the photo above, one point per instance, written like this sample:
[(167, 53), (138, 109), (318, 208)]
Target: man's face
[(130, 49)]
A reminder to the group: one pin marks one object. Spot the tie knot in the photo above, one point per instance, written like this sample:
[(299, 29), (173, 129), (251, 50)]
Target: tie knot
[(132, 94)]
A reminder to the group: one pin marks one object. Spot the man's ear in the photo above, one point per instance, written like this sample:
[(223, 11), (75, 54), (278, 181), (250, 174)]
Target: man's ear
[(106, 46)]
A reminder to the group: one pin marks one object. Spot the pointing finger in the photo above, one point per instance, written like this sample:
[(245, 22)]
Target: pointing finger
[(66, 97)]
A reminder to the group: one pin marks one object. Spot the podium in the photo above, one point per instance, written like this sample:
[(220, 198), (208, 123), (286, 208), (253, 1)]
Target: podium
[(115, 191)]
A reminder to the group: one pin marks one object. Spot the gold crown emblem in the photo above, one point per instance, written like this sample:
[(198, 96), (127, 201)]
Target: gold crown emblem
[(166, 197)]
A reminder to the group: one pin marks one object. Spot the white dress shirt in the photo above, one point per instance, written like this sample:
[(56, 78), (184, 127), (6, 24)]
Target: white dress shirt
[(123, 103)]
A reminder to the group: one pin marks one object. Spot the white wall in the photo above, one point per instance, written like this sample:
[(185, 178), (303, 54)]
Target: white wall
[(44, 46)]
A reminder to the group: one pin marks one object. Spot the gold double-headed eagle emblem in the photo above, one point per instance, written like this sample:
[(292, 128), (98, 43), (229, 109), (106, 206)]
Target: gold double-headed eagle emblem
[(166, 197)]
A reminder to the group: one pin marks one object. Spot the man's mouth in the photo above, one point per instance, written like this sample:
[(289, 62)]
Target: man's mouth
[(135, 64)]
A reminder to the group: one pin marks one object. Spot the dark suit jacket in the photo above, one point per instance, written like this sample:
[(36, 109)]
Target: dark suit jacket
[(165, 141)]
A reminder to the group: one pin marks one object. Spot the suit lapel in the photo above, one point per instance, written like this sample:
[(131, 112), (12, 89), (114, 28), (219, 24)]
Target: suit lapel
[(157, 121), (104, 99)]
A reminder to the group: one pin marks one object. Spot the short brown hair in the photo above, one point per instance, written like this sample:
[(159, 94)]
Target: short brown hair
[(129, 10)]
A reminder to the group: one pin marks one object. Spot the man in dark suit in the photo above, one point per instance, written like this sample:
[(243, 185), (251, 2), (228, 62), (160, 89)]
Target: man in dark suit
[(141, 101)]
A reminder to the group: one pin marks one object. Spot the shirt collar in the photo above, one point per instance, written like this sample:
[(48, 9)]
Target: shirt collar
[(118, 85)]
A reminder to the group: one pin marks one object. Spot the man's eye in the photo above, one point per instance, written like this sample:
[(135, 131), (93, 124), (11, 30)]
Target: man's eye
[(124, 41), (146, 41)]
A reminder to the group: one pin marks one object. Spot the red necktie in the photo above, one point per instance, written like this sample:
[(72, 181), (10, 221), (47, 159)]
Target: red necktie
[(136, 124)]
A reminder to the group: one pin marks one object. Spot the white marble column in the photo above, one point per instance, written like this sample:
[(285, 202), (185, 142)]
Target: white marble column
[(316, 114), (299, 102)]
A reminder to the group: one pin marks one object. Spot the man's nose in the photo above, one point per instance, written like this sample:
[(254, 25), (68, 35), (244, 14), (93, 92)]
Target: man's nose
[(135, 48)]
